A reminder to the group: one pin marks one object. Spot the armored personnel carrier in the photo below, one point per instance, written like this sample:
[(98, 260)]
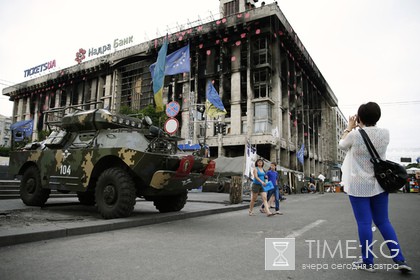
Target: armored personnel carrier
[(109, 160)]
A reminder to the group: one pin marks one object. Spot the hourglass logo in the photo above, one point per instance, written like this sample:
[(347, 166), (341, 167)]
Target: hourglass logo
[(279, 254)]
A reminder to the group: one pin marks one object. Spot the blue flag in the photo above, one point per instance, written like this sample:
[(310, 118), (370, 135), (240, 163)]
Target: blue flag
[(300, 154), (22, 129), (176, 62), (214, 105)]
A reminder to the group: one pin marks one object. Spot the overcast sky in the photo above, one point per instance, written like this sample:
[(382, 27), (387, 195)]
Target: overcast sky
[(367, 50)]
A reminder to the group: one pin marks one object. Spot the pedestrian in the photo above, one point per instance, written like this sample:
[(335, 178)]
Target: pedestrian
[(368, 200), (311, 184), (311, 187), (257, 188), (272, 176), (304, 189), (286, 189), (321, 179), (312, 179)]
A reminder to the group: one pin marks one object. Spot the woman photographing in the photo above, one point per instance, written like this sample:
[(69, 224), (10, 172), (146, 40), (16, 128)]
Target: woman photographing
[(368, 200)]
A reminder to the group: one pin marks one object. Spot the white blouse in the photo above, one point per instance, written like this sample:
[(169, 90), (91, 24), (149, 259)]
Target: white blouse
[(358, 177)]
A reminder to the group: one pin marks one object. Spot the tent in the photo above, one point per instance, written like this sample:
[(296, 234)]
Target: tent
[(228, 166), (189, 147)]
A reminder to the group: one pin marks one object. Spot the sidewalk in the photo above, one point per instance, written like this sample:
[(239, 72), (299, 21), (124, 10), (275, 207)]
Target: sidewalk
[(63, 217)]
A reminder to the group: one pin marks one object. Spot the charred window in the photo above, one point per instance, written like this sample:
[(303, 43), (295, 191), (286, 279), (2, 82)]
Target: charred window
[(261, 54), (262, 83), (136, 90), (231, 8), (261, 61)]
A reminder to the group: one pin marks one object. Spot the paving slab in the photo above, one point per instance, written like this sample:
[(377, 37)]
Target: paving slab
[(64, 217)]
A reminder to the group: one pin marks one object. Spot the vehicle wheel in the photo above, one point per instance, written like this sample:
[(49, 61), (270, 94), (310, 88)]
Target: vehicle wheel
[(115, 193), (170, 203), (86, 198), (31, 191)]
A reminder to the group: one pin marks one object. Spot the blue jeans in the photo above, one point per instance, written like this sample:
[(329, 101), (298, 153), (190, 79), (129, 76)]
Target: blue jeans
[(276, 193), (375, 208)]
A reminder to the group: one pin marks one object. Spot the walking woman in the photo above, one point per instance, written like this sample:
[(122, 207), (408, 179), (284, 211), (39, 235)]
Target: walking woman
[(368, 200), (272, 176), (257, 188)]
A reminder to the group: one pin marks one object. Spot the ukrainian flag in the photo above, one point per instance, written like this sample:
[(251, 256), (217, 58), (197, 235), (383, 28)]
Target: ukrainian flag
[(214, 105), (159, 76)]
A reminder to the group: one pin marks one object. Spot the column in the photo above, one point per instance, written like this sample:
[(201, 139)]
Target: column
[(235, 85), (108, 92)]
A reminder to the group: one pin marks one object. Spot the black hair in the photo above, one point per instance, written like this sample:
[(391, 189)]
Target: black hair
[(369, 113), (256, 162)]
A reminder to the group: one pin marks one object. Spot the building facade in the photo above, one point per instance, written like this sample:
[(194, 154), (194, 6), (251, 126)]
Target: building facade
[(5, 123), (275, 96)]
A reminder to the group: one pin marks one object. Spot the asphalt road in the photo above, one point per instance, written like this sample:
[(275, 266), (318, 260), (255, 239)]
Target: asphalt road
[(222, 246)]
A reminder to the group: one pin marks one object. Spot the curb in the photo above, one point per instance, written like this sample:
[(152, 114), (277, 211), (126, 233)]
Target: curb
[(74, 229)]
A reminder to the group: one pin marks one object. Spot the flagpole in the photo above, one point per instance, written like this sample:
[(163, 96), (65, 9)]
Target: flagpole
[(205, 127)]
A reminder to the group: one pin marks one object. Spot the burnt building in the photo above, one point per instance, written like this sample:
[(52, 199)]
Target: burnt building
[(275, 96)]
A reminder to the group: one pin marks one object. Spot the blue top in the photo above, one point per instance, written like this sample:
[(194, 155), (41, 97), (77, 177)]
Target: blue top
[(261, 175), (272, 177)]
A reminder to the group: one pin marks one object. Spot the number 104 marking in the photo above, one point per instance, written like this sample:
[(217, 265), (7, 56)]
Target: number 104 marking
[(65, 170)]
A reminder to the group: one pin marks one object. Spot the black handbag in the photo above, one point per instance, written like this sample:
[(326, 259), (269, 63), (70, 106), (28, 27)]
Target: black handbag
[(390, 175)]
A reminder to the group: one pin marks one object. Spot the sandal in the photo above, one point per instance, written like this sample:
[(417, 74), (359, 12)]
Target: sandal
[(251, 213), (270, 214), (262, 210)]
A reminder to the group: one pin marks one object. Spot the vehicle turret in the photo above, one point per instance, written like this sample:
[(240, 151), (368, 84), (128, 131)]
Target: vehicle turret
[(100, 119)]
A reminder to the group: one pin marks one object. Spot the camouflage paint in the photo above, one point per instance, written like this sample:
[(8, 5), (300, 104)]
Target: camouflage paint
[(87, 167), (69, 165)]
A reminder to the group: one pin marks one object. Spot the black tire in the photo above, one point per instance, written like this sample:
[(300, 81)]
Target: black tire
[(170, 203), (86, 198), (115, 193), (31, 191)]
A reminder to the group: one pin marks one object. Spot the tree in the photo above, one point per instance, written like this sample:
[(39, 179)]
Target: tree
[(417, 165), (4, 151), (158, 118)]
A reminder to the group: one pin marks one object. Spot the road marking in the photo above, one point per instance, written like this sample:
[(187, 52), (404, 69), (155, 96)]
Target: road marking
[(306, 228)]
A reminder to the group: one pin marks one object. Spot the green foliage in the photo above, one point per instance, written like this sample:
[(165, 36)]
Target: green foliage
[(4, 151), (417, 165), (43, 134), (158, 119), (126, 110)]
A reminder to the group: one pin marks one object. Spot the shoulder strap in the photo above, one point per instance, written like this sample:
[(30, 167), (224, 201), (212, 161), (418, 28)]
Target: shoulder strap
[(373, 153)]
